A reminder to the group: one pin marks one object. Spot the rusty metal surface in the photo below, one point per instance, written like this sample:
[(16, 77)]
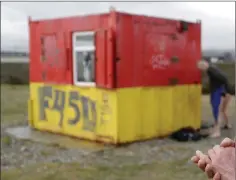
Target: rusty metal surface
[(26, 133)]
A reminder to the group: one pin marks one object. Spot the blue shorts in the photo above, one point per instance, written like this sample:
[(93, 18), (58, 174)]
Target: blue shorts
[(215, 101)]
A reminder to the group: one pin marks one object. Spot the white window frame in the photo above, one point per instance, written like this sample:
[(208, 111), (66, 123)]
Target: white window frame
[(81, 49)]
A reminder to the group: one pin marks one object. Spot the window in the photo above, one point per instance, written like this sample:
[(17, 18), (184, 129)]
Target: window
[(83, 58)]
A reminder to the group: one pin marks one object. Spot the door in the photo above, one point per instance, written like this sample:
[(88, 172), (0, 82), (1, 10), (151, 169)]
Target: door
[(101, 58), (53, 58), (105, 75)]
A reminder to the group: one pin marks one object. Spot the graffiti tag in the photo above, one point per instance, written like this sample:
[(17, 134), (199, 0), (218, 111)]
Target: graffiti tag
[(159, 61), (54, 99), (106, 110)]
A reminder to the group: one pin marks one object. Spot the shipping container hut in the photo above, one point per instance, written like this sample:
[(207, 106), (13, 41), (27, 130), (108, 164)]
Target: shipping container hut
[(114, 77)]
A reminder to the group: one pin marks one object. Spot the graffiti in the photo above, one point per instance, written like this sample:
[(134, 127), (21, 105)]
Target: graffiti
[(59, 104), (73, 99), (89, 124), (159, 61), (55, 100), (106, 110), (44, 94), (158, 45)]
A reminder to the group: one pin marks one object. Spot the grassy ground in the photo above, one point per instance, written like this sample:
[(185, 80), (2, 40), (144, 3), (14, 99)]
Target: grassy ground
[(74, 171), (13, 104), (14, 112)]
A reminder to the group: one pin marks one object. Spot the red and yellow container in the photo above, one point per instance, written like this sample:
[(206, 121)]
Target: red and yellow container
[(114, 77)]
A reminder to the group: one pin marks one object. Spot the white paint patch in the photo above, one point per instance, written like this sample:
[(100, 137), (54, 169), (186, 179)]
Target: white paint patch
[(159, 61)]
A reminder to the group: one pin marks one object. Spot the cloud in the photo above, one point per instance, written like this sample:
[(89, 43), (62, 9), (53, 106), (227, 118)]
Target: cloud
[(218, 18), (14, 29)]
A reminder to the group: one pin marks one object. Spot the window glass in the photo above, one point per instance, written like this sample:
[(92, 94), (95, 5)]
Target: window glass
[(86, 40), (84, 65)]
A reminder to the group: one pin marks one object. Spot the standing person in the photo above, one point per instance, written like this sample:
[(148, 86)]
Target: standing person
[(220, 94)]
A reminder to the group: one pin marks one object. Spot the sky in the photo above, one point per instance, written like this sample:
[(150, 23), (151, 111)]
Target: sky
[(218, 18)]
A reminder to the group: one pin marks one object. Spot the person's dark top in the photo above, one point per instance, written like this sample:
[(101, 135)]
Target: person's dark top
[(218, 79)]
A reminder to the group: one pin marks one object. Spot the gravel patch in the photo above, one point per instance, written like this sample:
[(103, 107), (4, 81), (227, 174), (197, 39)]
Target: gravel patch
[(18, 153)]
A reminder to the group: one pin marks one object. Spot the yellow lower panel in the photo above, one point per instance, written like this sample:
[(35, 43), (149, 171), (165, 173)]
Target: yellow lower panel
[(144, 113), (88, 113), (119, 116)]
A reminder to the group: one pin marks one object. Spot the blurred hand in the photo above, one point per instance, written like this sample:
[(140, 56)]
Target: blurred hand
[(205, 163), (222, 162)]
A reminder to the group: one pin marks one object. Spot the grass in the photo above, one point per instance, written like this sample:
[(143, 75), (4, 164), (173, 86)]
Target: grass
[(14, 112), (14, 104), (75, 171), (7, 140)]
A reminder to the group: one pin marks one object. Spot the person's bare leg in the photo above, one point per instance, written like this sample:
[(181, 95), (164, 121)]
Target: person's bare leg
[(225, 105), (216, 129), (221, 113), (227, 124)]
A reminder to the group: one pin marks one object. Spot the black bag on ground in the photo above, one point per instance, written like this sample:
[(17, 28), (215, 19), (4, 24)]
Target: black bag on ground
[(186, 134)]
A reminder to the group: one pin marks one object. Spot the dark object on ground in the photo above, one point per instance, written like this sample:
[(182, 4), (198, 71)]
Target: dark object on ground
[(187, 134)]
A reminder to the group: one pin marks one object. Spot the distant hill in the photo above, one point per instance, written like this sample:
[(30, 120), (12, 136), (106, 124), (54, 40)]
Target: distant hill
[(14, 54), (227, 55)]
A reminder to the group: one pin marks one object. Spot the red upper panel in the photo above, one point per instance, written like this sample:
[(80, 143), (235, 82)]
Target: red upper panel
[(51, 46), (131, 50), (156, 52)]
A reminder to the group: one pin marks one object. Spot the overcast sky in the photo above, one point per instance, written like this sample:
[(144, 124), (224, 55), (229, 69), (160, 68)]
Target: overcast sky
[(218, 18)]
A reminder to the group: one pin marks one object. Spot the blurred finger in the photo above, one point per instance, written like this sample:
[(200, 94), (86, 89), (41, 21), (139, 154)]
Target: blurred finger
[(202, 164), (209, 171), (217, 149), (195, 159), (211, 153), (217, 176), (207, 159), (200, 154), (227, 143)]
